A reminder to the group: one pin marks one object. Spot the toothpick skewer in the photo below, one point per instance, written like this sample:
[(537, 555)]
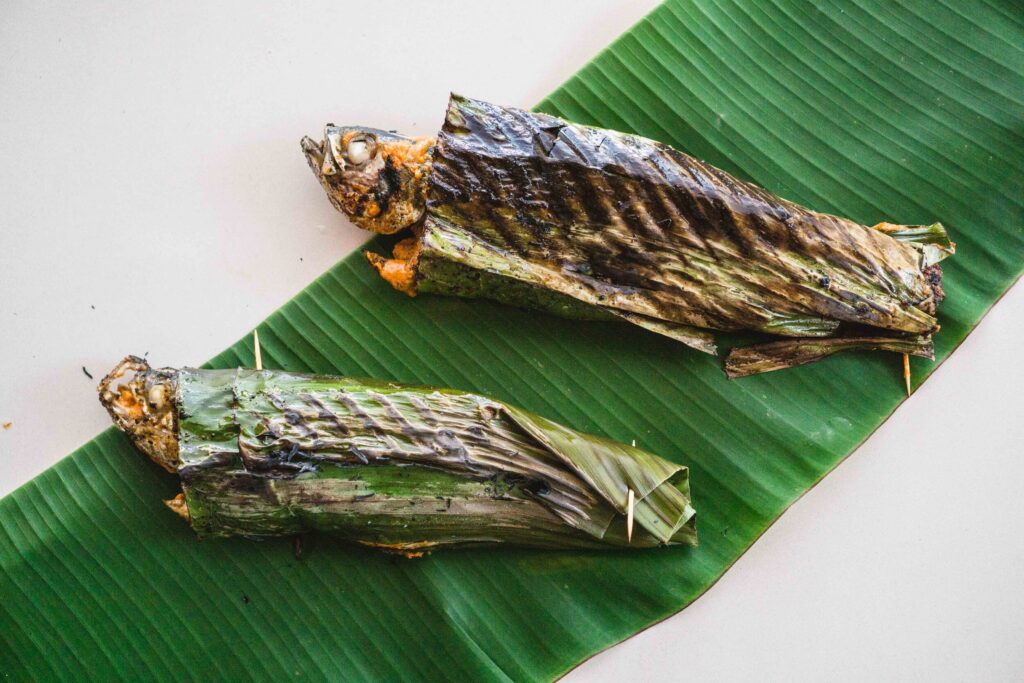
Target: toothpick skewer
[(629, 511), (906, 371), (629, 517), (256, 347)]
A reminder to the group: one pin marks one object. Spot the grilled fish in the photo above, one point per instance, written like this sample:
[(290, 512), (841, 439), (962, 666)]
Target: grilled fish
[(532, 210), (406, 469)]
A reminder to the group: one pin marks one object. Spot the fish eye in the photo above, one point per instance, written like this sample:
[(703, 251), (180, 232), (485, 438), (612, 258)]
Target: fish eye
[(360, 149)]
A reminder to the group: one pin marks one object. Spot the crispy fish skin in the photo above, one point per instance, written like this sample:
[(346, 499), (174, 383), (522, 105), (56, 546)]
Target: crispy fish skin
[(407, 469), (634, 229)]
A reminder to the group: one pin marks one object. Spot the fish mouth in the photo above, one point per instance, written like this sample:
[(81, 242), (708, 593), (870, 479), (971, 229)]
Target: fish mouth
[(321, 157), (314, 153), (326, 165)]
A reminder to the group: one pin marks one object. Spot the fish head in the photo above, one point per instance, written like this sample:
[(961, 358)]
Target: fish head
[(377, 178), (144, 406)]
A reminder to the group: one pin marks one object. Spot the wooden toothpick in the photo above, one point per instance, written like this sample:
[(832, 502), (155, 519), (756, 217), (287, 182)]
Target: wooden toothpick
[(906, 371), (630, 499), (629, 517), (256, 347)]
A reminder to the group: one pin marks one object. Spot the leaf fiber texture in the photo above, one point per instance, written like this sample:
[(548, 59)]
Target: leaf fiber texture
[(864, 109)]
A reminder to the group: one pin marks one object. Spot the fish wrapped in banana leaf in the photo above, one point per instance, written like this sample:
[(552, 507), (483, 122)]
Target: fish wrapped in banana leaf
[(406, 469), (536, 211)]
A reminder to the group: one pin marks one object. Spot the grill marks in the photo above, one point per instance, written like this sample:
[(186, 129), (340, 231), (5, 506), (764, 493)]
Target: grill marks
[(491, 201), (370, 460), (588, 191), (388, 183), (651, 230), (324, 414), (460, 433)]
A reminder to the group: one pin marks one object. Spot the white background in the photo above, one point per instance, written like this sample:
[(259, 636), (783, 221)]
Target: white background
[(149, 167)]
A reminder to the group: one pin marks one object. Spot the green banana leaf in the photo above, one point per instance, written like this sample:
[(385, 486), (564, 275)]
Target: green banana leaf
[(868, 109)]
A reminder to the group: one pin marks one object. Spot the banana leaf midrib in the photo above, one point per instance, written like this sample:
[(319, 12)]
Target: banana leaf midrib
[(96, 575)]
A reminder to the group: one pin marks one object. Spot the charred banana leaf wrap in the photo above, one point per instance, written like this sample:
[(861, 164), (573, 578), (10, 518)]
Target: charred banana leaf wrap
[(404, 468), (536, 211)]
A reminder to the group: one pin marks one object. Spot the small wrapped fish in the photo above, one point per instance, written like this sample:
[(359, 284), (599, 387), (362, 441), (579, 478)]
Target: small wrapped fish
[(535, 211), (406, 469)]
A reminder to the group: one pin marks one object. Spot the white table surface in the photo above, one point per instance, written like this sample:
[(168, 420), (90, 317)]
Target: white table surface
[(149, 163)]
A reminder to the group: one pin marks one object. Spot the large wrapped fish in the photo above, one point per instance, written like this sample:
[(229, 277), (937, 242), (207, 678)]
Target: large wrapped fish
[(405, 469), (535, 211)]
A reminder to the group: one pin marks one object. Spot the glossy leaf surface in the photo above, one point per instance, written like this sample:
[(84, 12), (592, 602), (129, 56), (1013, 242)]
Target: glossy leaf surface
[(867, 110)]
